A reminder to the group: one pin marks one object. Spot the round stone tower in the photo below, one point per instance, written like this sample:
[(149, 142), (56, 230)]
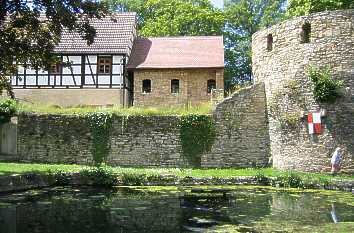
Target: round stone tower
[(282, 56)]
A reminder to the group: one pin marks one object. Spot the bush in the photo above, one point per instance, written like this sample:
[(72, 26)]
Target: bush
[(59, 177), (326, 89), (99, 176), (8, 108), (261, 178), (133, 179), (288, 180)]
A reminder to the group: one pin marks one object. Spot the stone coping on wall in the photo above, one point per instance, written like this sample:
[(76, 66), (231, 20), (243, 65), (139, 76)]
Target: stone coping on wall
[(23, 182)]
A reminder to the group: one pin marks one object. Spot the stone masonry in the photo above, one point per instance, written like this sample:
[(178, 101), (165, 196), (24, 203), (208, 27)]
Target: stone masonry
[(192, 86), (282, 67), (151, 141), (242, 131)]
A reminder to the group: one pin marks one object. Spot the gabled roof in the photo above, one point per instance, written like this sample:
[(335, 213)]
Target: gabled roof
[(177, 52), (114, 34)]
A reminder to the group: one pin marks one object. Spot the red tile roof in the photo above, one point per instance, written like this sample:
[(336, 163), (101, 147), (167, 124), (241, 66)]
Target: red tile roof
[(177, 52)]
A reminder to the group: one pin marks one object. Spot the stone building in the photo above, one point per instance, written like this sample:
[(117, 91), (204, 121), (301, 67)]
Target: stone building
[(281, 56), (176, 70)]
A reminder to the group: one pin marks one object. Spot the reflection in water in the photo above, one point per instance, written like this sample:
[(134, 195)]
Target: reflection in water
[(82, 210), (333, 214)]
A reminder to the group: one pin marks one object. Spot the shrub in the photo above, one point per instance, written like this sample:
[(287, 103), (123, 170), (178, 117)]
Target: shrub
[(261, 178), (288, 180), (8, 108), (60, 177), (99, 176), (133, 179), (326, 89)]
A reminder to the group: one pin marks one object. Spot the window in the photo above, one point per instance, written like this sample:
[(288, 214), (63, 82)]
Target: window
[(55, 68), (146, 86), (270, 42), (175, 86), (104, 64), (305, 33), (211, 85)]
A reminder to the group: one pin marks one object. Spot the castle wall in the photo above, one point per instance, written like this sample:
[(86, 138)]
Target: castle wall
[(240, 129), (289, 90)]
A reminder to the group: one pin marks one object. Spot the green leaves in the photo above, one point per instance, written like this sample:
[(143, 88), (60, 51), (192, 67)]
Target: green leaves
[(197, 133), (100, 124), (243, 18), (174, 17), (30, 39), (326, 89), (8, 108), (305, 7)]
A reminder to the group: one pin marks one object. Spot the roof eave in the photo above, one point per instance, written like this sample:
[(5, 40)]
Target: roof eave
[(179, 67)]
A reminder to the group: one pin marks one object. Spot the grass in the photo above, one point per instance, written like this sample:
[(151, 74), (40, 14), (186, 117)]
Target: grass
[(204, 108), (20, 168)]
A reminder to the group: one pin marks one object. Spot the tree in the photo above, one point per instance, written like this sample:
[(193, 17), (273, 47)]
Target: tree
[(174, 17), (243, 18), (29, 30), (305, 7)]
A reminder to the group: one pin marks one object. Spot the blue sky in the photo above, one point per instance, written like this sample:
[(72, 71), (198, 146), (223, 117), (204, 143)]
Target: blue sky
[(218, 3)]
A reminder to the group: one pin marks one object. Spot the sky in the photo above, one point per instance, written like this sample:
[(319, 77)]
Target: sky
[(218, 3)]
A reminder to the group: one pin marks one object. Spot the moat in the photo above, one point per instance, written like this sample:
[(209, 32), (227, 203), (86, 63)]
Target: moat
[(176, 209)]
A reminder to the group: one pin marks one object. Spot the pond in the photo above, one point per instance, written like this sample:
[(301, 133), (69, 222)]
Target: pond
[(176, 209)]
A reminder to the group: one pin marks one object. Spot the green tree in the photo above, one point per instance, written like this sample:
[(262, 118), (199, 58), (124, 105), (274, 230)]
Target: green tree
[(243, 18), (305, 7), (29, 30), (174, 17)]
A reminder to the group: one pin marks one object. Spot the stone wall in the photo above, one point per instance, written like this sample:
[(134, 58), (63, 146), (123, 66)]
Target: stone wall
[(71, 97), (135, 141), (192, 86), (289, 90), (242, 131), (151, 141)]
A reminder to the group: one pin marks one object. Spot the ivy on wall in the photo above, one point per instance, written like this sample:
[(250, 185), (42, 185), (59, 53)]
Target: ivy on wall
[(326, 89), (197, 134), (8, 108), (100, 124)]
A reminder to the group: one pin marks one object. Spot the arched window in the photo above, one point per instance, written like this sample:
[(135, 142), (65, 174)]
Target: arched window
[(146, 86), (211, 85), (174, 86), (305, 33), (270, 42)]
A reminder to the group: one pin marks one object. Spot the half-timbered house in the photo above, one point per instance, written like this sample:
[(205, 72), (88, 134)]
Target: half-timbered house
[(86, 74)]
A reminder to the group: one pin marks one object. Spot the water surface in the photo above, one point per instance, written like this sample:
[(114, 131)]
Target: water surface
[(176, 209)]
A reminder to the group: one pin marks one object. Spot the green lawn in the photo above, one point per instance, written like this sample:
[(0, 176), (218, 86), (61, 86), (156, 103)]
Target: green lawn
[(18, 168)]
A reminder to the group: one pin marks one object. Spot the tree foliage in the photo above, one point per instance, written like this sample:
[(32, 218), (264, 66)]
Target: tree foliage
[(305, 7), (29, 30), (174, 17), (243, 18)]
